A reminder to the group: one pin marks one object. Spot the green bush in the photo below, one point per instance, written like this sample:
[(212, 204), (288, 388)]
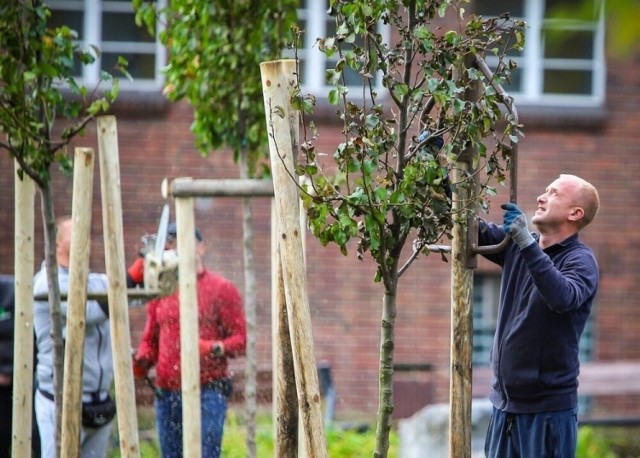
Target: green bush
[(592, 444)]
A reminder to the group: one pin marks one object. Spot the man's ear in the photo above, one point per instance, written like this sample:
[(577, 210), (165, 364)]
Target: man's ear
[(577, 213)]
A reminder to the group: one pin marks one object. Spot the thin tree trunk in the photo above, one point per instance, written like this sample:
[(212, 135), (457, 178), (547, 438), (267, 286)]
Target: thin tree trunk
[(251, 366), (51, 262), (387, 338)]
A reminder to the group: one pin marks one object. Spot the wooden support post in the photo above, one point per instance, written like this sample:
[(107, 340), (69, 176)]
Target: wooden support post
[(278, 81), (461, 327), (189, 332), (285, 407), (76, 304), (22, 418), (464, 209), (116, 271)]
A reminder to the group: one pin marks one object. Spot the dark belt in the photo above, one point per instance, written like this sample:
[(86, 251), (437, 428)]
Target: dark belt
[(50, 396), (46, 394)]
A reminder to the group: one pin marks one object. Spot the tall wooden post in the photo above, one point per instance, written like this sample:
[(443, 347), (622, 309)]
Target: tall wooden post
[(189, 354), (285, 408), (22, 418), (461, 299), (77, 300), (278, 81), (116, 271)]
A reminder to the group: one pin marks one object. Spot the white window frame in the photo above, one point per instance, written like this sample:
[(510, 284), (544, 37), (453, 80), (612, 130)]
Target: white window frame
[(486, 298), (92, 11), (314, 17), (532, 64)]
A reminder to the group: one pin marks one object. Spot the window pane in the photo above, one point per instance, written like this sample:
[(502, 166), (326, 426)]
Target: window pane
[(567, 82), (568, 44), (515, 82), (141, 66), (72, 19), (571, 9), (499, 7), (122, 27)]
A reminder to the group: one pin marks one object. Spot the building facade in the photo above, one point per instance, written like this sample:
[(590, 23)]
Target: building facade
[(578, 107)]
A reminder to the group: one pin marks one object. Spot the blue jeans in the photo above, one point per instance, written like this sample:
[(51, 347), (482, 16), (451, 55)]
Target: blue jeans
[(536, 435), (213, 409)]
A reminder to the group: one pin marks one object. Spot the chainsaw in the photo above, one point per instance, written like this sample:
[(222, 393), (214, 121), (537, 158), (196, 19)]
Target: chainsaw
[(160, 264)]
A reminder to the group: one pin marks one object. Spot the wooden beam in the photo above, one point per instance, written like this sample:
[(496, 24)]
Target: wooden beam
[(217, 188)]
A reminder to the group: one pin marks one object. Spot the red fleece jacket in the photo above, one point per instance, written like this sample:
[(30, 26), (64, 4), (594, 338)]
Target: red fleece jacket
[(221, 318)]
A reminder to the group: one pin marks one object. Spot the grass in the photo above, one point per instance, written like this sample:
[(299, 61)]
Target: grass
[(341, 442)]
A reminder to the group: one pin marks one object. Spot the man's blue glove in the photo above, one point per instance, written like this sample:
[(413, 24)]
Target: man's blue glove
[(515, 224)]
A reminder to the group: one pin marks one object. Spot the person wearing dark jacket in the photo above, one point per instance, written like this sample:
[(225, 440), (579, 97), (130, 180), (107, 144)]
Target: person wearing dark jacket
[(549, 281), (6, 362), (7, 317)]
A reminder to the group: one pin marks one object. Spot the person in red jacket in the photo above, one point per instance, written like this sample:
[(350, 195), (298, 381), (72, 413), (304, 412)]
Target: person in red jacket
[(223, 335)]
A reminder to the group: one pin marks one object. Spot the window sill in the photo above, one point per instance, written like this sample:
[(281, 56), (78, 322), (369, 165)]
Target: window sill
[(562, 117), (140, 104)]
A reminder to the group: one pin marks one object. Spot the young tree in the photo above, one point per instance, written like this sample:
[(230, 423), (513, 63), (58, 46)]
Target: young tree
[(36, 63), (215, 49), (394, 170)]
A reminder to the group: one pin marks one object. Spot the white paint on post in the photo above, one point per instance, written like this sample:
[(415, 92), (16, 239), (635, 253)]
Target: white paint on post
[(22, 418), (189, 333), (76, 304), (278, 81), (117, 294)]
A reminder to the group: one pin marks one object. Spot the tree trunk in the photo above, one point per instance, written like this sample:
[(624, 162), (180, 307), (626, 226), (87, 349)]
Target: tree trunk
[(251, 365), (387, 338), (51, 262)]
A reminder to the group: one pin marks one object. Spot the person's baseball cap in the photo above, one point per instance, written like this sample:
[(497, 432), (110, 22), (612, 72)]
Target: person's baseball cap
[(172, 231)]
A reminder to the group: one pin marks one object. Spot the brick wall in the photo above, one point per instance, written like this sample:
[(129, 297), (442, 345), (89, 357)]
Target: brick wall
[(155, 143)]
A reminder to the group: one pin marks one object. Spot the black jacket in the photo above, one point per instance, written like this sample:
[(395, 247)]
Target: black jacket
[(7, 298)]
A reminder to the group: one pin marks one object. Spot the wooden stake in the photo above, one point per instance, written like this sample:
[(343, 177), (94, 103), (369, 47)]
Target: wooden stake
[(461, 326), (285, 407), (76, 308), (278, 81), (116, 271), (464, 209), (189, 333), (22, 418)]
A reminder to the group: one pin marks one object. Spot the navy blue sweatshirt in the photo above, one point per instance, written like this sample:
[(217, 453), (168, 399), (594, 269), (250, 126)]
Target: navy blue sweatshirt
[(545, 300)]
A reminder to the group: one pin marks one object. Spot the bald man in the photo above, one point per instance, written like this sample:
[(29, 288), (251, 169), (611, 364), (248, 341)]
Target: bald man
[(549, 281), (97, 369)]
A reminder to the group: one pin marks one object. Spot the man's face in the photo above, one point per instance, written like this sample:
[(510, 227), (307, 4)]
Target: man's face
[(63, 237), (556, 204)]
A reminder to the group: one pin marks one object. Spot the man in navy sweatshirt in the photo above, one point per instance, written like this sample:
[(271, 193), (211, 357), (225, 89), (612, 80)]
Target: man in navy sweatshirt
[(549, 281)]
